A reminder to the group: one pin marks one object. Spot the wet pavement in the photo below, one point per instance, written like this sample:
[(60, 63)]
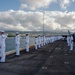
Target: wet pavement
[(52, 59)]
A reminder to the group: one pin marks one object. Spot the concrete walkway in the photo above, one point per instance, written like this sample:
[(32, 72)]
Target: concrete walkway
[(52, 59)]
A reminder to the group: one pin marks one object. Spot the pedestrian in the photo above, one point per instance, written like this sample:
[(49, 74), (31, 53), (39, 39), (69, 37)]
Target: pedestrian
[(42, 40), (39, 41), (3, 37), (27, 42), (68, 40), (36, 42), (17, 43), (71, 42)]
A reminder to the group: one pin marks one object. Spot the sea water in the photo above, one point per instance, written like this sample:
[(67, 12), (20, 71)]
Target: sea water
[(10, 43)]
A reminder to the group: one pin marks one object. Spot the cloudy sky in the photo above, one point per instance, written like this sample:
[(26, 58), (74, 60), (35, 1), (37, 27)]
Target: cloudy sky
[(27, 15)]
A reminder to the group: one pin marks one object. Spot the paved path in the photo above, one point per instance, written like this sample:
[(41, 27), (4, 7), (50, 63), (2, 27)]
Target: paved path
[(52, 59)]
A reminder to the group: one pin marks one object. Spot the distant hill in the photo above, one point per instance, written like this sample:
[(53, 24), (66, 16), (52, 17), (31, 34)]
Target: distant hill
[(36, 33)]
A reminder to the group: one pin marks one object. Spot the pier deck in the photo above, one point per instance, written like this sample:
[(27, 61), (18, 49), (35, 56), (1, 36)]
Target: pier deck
[(52, 59)]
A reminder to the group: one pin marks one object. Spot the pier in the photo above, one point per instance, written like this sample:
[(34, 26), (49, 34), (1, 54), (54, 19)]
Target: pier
[(52, 59)]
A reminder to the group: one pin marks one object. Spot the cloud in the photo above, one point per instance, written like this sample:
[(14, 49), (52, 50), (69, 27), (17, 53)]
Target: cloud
[(65, 3), (22, 6), (37, 4), (33, 21)]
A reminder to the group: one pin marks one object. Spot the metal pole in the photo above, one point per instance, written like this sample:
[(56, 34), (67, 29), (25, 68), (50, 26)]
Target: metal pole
[(43, 25)]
